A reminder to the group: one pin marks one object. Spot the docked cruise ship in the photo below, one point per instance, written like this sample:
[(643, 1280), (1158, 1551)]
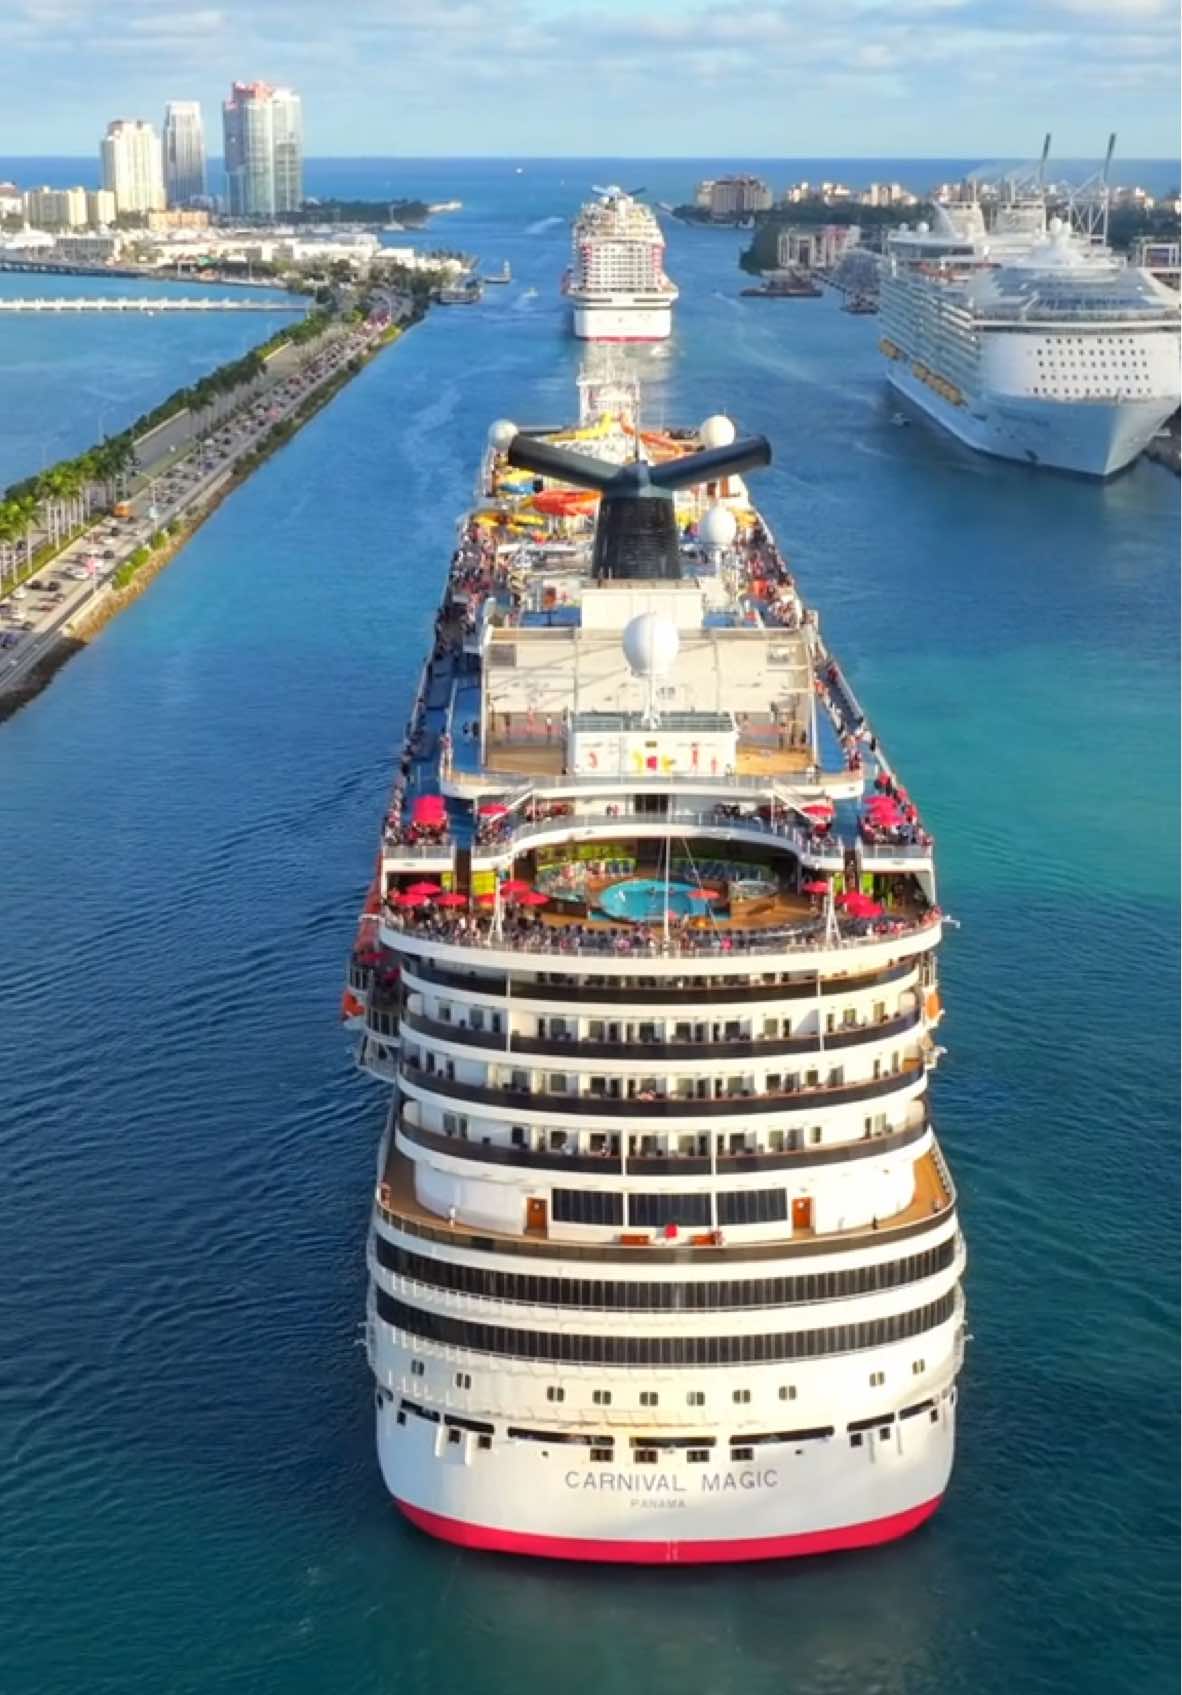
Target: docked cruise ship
[(1029, 339), (616, 285), (664, 1257)]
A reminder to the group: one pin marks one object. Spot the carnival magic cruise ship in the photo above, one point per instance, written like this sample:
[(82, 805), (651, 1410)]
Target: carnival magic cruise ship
[(664, 1257), (616, 284), (1029, 339)]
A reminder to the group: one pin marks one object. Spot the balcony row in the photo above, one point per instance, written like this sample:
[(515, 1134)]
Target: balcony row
[(702, 1154), (608, 1097), (644, 991), (640, 1042)]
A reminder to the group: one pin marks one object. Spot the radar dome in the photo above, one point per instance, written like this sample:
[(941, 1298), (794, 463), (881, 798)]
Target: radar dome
[(717, 431), (651, 645), (923, 229), (501, 434), (718, 528)]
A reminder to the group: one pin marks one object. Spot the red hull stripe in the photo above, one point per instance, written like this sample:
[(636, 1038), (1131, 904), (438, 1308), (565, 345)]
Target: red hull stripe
[(497, 1541)]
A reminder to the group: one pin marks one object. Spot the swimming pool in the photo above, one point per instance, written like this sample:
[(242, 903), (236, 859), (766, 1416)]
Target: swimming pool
[(642, 899)]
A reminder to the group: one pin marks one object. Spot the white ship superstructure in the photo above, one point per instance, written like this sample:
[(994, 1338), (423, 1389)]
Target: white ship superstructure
[(1029, 340), (664, 1258), (617, 287)]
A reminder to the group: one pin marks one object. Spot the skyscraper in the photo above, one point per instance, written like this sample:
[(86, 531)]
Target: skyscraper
[(184, 152), (133, 167), (263, 128)]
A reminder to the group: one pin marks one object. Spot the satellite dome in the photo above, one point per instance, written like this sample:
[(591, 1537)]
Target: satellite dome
[(923, 229), (501, 433), (718, 528), (651, 645), (717, 431)]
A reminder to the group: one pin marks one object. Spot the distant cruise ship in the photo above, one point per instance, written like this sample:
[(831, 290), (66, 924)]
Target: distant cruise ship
[(1029, 340), (664, 1255), (617, 285)]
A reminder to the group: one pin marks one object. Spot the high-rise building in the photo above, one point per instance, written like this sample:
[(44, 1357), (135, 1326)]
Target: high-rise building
[(184, 152), (133, 166), (738, 196), (100, 207), (56, 208), (264, 147)]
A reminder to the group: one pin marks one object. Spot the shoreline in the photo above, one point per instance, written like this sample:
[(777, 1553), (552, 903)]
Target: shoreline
[(110, 602)]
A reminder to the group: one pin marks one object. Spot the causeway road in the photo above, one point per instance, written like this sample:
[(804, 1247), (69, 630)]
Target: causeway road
[(178, 479)]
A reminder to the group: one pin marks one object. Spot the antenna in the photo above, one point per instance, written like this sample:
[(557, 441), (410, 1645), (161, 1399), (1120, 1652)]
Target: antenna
[(1042, 163), (636, 530)]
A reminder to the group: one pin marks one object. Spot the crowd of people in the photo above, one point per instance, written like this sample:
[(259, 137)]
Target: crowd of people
[(525, 932)]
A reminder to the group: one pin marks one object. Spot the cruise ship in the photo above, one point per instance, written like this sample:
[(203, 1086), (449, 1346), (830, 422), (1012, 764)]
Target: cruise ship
[(616, 284), (1029, 339), (664, 1260)]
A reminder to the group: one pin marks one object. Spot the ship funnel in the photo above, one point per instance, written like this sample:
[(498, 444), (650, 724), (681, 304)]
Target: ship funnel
[(636, 531)]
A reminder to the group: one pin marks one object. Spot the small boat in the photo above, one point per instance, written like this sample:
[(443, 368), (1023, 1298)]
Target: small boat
[(899, 421), (468, 293), (504, 275)]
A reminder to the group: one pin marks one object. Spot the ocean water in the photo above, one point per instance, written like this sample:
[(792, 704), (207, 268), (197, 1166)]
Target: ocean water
[(191, 1500), (68, 380)]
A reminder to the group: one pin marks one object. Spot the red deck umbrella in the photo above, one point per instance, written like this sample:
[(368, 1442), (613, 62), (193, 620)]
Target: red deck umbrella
[(820, 809), (409, 898), (516, 886), (493, 809), (425, 889), (429, 809), (861, 906), (533, 897), (816, 887), (486, 900), (452, 898), (703, 894)]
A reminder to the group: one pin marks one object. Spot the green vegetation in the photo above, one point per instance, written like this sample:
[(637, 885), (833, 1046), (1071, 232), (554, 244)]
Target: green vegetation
[(761, 255), (409, 213)]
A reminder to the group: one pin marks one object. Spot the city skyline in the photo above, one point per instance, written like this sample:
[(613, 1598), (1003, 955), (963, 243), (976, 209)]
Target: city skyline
[(871, 79)]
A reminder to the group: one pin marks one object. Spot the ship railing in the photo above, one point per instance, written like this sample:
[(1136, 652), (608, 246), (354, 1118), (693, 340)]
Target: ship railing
[(801, 841), (719, 944), (871, 851), (392, 848)]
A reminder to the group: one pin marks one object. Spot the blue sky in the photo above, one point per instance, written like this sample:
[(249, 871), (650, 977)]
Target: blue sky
[(767, 78)]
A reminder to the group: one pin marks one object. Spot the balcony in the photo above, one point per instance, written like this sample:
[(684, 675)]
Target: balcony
[(648, 1105), (709, 822), (578, 1048), (617, 1159)]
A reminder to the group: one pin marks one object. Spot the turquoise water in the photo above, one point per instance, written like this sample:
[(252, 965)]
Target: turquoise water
[(191, 1500), (641, 900), (68, 380)]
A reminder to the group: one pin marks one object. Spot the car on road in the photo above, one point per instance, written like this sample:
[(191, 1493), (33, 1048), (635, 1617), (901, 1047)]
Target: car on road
[(52, 586), (78, 572), (9, 639), (109, 553)]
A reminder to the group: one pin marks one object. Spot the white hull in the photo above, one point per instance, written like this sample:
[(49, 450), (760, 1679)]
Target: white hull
[(1095, 438), (526, 1497), (622, 322)]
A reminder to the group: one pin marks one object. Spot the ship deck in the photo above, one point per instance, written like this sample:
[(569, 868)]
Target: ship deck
[(933, 1199)]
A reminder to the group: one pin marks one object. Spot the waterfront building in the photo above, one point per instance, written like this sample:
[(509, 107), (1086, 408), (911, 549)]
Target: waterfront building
[(89, 247), (263, 131), (176, 218), (814, 247), (739, 197), (702, 193), (100, 207), (12, 201), (184, 152), (56, 208), (133, 165)]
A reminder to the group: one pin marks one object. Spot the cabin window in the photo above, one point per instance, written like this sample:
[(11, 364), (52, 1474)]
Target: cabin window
[(695, 1398), (601, 1397), (463, 1380), (787, 1391), (741, 1397), (553, 1394), (418, 1369), (877, 1379), (649, 1398)]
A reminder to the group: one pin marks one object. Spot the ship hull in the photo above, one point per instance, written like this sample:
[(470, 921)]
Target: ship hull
[(1092, 438), (523, 1498), (621, 322)]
